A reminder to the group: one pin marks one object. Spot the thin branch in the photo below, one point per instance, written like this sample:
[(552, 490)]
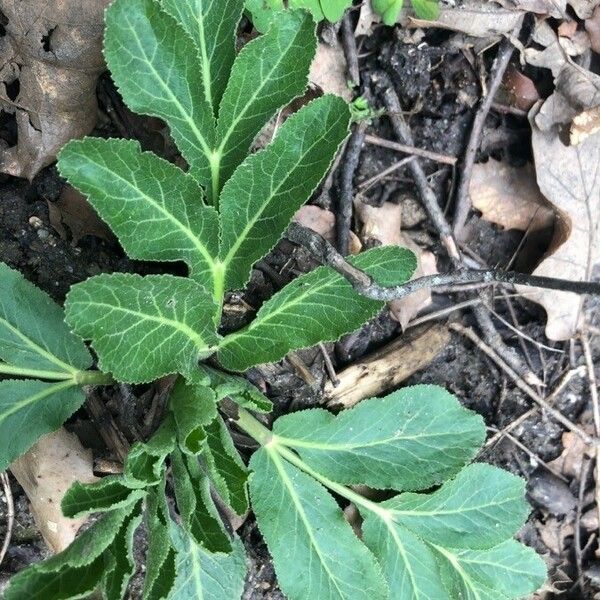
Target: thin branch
[(350, 50), (10, 515), (445, 159)]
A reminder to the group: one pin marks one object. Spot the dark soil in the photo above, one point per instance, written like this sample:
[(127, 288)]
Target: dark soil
[(438, 86)]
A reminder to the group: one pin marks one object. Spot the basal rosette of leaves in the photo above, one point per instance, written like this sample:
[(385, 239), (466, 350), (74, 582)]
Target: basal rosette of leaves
[(447, 534)]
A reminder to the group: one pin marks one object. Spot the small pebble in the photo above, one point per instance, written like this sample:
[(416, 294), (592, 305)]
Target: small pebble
[(35, 222), (43, 233)]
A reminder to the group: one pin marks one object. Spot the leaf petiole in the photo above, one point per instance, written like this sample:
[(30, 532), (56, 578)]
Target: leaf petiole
[(79, 377)]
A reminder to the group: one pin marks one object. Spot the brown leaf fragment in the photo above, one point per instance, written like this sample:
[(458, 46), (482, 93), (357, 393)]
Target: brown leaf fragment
[(45, 472), (584, 8), (570, 461), (522, 91), (74, 213), (52, 57), (510, 196), (551, 8), (328, 70)]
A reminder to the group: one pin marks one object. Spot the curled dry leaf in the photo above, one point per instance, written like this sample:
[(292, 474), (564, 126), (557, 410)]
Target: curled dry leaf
[(383, 224), (509, 196), (551, 8), (568, 176), (45, 472), (328, 70), (51, 61)]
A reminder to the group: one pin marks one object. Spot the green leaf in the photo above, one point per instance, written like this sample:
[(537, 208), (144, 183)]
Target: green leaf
[(315, 552), (412, 439), (227, 471), (317, 307), (263, 11), (105, 495), (334, 9), (30, 409), (388, 10), (506, 572), (154, 208), (33, 334), (409, 565), (264, 193), (212, 24), (238, 389), (156, 67), (120, 558), (480, 508), (144, 327), (75, 572), (198, 513), (427, 9), (201, 574), (268, 73), (194, 407)]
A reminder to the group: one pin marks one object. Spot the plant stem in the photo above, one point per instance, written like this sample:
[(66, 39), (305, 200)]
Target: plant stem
[(93, 378), (34, 373)]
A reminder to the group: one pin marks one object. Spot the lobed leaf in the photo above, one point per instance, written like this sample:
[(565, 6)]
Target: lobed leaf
[(144, 327), (268, 73), (315, 552), (155, 209), (317, 307), (30, 409), (212, 25), (33, 334), (412, 439), (155, 65), (264, 193)]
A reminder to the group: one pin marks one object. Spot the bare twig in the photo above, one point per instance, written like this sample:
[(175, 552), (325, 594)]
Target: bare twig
[(350, 50), (445, 159), (329, 366), (351, 157), (463, 202), (365, 185), (10, 515)]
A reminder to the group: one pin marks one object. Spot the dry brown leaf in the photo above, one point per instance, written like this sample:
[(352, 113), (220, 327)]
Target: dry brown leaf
[(509, 196), (568, 176), (584, 8), (570, 461), (384, 225), (552, 8), (592, 26), (328, 70), (52, 51), (367, 19), (73, 211), (521, 90), (323, 222), (45, 472)]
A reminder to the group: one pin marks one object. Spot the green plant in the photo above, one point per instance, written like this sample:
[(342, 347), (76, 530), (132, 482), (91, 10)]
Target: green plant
[(175, 59)]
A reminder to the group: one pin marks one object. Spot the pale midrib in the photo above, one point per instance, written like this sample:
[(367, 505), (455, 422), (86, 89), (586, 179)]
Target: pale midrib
[(38, 349), (185, 230), (402, 551), (194, 336), (456, 511), (206, 64), (456, 564), (258, 214), (288, 484), (197, 570), (52, 389)]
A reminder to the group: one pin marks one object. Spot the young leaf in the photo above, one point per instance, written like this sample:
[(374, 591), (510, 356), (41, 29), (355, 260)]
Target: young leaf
[(144, 327), (33, 334), (154, 208), (75, 572), (480, 508), (198, 513), (30, 409), (212, 25), (194, 407), (388, 10), (264, 193), (427, 9), (333, 10), (227, 471), (412, 439), (201, 574), (316, 307), (268, 73), (156, 67), (315, 552), (506, 572)]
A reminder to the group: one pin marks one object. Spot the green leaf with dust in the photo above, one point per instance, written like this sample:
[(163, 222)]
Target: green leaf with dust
[(505, 572), (412, 439), (212, 25), (201, 574), (156, 67), (264, 193), (227, 471), (155, 209), (315, 552), (30, 409), (481, 507), (236, 388), (269, 72), (144, 327), (33, 334), (198, 513), (193, 407), (316, 307), (75, 572)]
